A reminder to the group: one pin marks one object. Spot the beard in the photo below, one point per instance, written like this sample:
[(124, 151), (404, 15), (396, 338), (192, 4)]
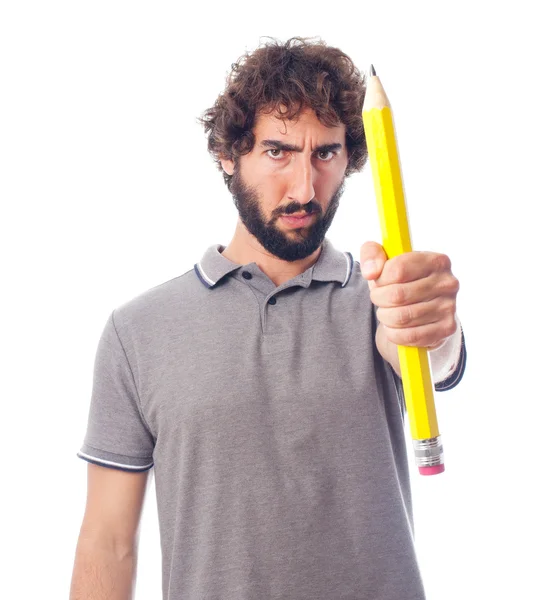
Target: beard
[(291, 245)]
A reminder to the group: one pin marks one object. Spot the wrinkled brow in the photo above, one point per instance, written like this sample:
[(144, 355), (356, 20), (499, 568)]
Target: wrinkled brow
[(277, 145)]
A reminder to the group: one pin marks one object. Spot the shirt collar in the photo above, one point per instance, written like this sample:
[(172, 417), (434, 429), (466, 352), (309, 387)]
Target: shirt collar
[(332, 265)]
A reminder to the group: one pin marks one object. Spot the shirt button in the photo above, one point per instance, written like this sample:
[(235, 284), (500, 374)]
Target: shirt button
[(272, 300), (247, 275)]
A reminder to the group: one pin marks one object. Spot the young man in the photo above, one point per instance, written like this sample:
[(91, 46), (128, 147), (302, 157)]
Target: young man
[(263, 385)]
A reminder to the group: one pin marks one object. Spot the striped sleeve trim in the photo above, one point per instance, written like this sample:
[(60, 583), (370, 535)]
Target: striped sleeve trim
[(115, 461), (456, 376)]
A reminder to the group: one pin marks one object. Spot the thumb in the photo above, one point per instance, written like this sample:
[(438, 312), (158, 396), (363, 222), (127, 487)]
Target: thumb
[(372, 259)]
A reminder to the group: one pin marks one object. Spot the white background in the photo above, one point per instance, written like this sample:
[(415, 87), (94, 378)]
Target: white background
[(107, 190)]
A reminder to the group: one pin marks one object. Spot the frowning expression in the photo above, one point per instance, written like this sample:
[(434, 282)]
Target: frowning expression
[(295, 169)]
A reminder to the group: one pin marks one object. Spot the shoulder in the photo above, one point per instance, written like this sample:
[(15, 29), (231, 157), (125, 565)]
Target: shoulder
[(159, 302)]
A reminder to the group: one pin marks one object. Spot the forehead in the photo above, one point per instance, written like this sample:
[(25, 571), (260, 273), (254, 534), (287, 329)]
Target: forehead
[(307, 123)]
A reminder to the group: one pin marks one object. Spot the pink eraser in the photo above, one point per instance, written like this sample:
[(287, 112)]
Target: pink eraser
[(431, 470)]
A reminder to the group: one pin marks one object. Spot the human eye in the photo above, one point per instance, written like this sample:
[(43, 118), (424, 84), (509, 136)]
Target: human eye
[(326, 152), (274, 150)]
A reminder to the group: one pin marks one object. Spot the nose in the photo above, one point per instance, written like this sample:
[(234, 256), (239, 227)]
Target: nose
[(301, 187)]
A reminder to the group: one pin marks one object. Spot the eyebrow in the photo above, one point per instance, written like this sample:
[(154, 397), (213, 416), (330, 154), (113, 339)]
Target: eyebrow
[(277, 145)]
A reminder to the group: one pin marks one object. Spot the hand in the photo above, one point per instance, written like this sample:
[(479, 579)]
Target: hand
[(416, 296)]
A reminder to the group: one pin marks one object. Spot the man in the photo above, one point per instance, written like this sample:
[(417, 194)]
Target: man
[(263, 385)]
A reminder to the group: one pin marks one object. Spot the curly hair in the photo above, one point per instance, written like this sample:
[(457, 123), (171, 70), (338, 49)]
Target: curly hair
[(293, 75)]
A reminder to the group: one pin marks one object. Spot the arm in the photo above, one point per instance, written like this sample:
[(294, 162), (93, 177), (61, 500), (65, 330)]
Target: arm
[(101, 574), (106, 553), (443, 359)]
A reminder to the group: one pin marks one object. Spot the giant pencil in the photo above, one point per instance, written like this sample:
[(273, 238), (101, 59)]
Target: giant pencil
[(414, 362)]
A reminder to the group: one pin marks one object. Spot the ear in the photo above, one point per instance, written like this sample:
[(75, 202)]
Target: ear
[(227, 165)]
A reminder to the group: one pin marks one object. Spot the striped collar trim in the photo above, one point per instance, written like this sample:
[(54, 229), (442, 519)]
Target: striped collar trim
[(332, 265)]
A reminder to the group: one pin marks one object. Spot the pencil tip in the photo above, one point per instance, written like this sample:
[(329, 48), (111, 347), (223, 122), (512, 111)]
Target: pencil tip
[(372, 71)]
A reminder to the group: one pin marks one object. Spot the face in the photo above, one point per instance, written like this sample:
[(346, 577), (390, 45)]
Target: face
[(295, 168)]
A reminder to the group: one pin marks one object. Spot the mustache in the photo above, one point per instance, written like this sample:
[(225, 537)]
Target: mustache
[(297, 208)]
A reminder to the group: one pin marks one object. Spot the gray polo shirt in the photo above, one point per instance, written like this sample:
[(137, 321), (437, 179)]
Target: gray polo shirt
[(275, 429)]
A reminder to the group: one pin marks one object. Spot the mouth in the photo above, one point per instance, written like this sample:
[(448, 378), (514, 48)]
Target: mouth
[(299, 220)]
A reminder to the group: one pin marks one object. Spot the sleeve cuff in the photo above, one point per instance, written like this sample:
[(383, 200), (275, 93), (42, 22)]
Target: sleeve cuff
[(451, 380), (114, 461)]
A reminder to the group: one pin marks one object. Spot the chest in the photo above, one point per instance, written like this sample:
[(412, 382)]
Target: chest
[(305, 382)]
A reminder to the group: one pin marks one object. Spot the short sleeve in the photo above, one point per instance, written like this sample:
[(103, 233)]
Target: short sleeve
[(117, 435), (453, 377)]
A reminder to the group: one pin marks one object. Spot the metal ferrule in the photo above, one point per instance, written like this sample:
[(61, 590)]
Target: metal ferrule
[(429, 452)]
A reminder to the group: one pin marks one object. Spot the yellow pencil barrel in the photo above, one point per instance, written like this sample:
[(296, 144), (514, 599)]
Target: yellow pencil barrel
[(414, 362)]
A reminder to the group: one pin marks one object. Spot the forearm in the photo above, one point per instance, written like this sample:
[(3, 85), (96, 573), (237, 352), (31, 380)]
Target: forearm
[(101, 574), (443, 360)]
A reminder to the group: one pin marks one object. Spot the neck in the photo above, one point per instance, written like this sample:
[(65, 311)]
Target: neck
[(244, 249)]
